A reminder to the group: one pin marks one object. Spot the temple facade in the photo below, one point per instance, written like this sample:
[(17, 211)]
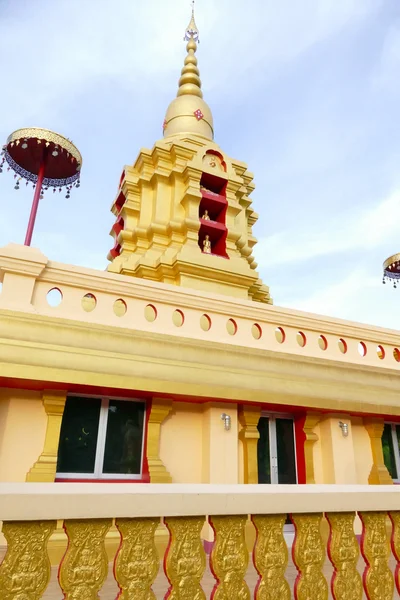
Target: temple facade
[(174, 365)]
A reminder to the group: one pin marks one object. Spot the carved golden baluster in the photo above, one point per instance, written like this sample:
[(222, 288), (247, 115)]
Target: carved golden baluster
[(84, 567), (229, 558), (344, 553), (185, 560), (309, 558), (271, 557), (137, 562), (378, 578), (395, 541), (25, 570)]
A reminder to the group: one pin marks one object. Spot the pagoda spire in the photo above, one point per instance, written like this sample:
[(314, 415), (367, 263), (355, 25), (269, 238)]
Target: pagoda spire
[(188, 113), (190, 82)]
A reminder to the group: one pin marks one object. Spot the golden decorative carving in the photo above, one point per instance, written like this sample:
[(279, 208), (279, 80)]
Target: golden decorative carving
[(160, 409), (207, 245), (229, 558), (47, 136), (137, 562), (271, 558), (309, 558), (312, 419), (206, 216), (378, 578), (45, 467), (185, 560), (379, 474), (213, 161), (84, 567), (344, 553), (25, 570), (395, 518), (249, 435)]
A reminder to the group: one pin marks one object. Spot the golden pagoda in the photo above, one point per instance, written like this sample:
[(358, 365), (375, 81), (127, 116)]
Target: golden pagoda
[(183, 212)]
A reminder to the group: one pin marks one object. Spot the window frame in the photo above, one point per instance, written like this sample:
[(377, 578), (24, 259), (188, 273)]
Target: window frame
[(396, 450), (273, 444), (97, 474)]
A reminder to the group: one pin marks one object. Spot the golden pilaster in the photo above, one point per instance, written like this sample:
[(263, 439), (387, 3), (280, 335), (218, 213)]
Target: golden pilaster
[(378, 578), (344, 553), (309, 558), (25, 570), (45, 467), (137, 562), (249, 435), (379, 474), (271, 557), (230, 558), (395, 518), (185, 560), (312, 419), (84, 567), (160, 409)]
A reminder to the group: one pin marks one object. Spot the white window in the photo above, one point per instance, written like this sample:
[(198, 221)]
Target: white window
[(390, 447), (101, 438), (276, 449)]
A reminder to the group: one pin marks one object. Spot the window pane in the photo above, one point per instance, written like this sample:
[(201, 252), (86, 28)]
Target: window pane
[(388, 451), (286, 453), (123, 451), (78, 437), (263, 456)]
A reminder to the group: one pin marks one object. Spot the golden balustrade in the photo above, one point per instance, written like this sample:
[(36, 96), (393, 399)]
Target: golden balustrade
[(30, 513)]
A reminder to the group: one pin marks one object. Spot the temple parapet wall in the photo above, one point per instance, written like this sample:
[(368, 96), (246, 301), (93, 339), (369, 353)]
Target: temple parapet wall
[(33, 284)]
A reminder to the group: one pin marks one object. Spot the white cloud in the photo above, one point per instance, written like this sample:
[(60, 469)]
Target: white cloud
[(348, 231)]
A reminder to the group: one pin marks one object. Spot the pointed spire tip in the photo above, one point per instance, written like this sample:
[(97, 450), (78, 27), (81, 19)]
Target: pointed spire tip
[(192, 33)]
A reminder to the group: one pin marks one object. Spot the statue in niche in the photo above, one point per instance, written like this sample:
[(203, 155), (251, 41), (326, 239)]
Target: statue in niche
[(207, 245), (206, 216)]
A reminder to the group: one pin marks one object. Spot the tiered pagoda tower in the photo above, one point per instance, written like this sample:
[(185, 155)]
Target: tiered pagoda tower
[(183, 212)]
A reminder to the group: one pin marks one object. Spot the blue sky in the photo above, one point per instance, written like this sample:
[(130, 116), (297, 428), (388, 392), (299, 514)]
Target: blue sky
[(306, 92)]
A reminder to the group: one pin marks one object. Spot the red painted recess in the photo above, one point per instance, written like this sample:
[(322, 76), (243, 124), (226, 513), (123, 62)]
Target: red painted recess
[(213, 192)]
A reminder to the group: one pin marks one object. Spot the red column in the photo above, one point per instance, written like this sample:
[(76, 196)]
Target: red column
[(35, 204)]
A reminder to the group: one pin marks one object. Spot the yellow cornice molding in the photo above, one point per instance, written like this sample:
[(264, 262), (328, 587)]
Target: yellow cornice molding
[(127, 359)]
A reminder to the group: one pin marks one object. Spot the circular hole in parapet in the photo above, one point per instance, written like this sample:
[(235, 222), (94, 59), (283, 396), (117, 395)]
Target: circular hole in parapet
[(231, 326), (280, 335), (342, 346), (362, 349), (396, 354), (301, 339), (54, 297), (256, 331), (89, 302), (322, 342), (205, 322), (380, 352), (178, 318), (119, 307), (150, 313)]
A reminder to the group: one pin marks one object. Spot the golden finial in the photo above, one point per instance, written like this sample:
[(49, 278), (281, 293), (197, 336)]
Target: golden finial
[(191, 31), (188, 113), (190, 82)]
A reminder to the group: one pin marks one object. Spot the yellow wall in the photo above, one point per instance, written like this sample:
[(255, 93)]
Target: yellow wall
[(195, 447), (181, 442), (362, 450), (22, 429)]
